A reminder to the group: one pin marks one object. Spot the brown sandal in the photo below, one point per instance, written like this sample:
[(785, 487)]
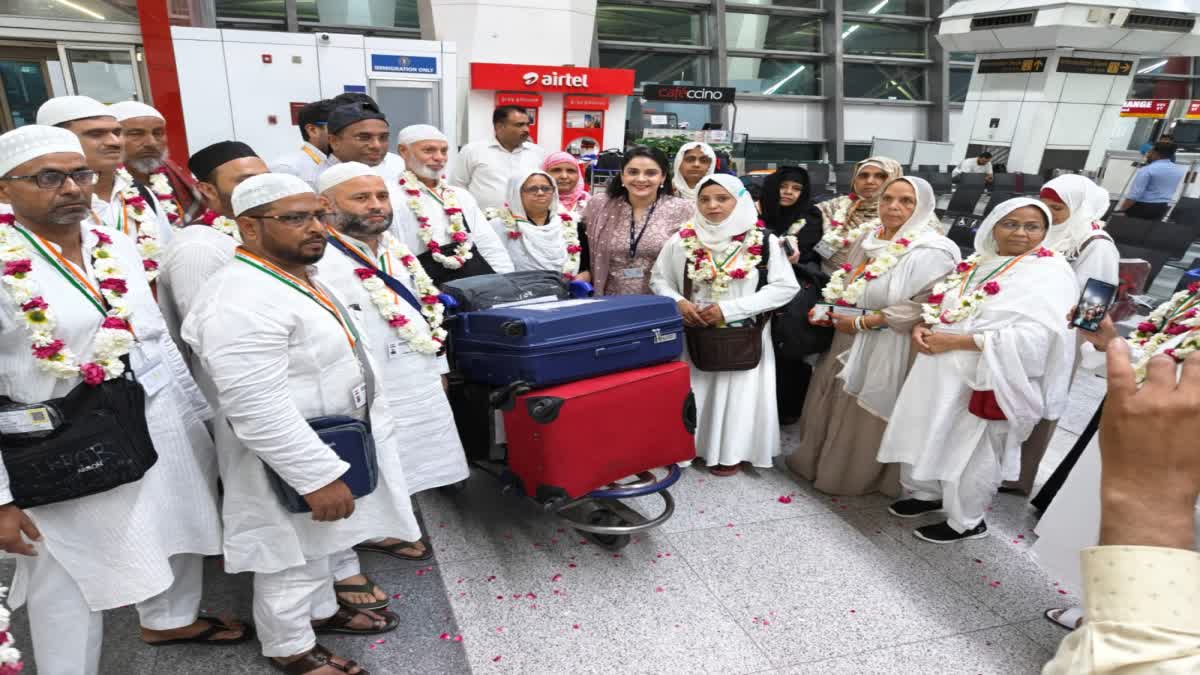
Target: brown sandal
[(344, 616), (316, 658), (724, 471)]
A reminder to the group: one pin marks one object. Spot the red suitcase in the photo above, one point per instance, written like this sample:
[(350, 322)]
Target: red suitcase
[(578, 437)]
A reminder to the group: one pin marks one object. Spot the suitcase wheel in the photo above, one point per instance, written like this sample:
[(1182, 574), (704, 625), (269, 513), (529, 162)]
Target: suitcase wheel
[(544, 409), (611, 542)]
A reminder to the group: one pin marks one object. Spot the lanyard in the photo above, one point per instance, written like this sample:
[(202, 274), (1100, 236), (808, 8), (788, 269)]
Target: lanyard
[(65, 268), (311, 155), (382, 270), (310, 292), (994, 273), (633, 243)]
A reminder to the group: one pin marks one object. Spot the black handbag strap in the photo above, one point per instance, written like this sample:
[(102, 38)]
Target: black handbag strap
[(765, 260), (394, 284)]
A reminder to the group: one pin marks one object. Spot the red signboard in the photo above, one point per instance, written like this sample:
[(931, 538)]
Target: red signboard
[(1152, 108), (1193, 111), (523, 100), (585, 102), (561, 79)]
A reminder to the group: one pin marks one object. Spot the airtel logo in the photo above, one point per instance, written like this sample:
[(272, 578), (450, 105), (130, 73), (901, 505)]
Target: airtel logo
[(554, 79)]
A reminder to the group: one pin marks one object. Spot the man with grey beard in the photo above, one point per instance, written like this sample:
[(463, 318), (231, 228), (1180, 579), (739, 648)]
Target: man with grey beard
[(144, 140)]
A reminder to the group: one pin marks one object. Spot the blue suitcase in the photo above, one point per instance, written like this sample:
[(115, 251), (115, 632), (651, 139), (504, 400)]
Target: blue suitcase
[(564, 341)]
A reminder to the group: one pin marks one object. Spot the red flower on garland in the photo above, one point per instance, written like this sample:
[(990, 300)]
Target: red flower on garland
[(739, 237), (1176, 329), (92, 373), (573, 249), (756, 249), (936, 298), (1147, 327), (1044, 252), (398, 321), (737, 273), (18, 267), (35, 303), (434, 247), (459, 237), (149, 265), (1194, 286), (208, 217), (407, 260), (7, 219), (115, 323), (453, 210), (48, 351), (566, 218), (102, 237), (514, 234), (429, 299), (963, 267), (138, 203), (115, 285), (687, 233), (364, 273), (991, 288), (846, 267), (903, 242)]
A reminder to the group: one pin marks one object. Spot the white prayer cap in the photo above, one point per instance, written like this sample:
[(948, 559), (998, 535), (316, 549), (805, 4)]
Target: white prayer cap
[(127, 110), (32, 141), (420, 132), (342, 172), (70, 108), (266, 188)]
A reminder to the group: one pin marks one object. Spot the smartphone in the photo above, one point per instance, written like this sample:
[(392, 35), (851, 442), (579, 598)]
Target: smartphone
[(788, 248), (1093, 304)]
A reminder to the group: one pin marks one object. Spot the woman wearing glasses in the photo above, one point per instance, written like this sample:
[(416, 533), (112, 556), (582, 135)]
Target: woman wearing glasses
[(536, 231), (995, 357)]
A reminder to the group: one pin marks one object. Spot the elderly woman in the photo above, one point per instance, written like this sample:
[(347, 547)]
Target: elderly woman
[(788, 213), (572, 195), (887, 275), (995, 358), (628, 224), (1072, 521), (721, 254), (537, 234), (694, 161), (847, 218)]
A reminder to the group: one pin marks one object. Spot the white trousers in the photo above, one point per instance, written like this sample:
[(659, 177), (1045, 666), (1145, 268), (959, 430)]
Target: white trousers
[(345, 564), (965, 499), (66, 633), (286, 603)]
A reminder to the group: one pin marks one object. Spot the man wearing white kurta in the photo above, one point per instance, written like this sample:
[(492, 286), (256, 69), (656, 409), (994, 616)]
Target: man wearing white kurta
[(407, 342), (484, 168), (141, 542), (307, 161), (443, 225), (282, 348)]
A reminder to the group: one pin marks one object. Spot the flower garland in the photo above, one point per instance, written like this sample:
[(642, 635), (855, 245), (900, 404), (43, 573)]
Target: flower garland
[(841, 235), (796, 227), (847, 293), (704, 267), (226, 226), (969, 302), (457, 231), (388, 303), (113, 339), (10, 657), (1177, 316), (160, 185), (570, 236), (145, 229)]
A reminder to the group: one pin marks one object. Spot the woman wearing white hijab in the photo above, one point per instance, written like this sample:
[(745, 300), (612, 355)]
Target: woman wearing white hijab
[(535, 231), (995, 357), (693, 162), (737, 419), (888, 273), (1076, 205)]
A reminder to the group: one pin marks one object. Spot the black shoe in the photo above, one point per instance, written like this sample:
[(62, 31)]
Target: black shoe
[(911, 508), (942, 533)]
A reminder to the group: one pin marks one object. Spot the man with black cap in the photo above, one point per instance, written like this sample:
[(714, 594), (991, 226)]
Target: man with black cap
[(392, 165), (306, 161), (206, 245)]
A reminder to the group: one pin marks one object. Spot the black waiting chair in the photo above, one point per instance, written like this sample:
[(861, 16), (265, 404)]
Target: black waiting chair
[(995, 200), (1156, 258), (1031, 184), (964, 237), (962, 204), (929, 168), (818, 178), (972, 180), (845, 181), (1186, 212), (1004, 182), (1170, 238), (1126, 230), (940, 182)]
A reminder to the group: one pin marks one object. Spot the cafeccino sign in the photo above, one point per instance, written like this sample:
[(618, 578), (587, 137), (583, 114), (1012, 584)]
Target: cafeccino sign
[(686, 94)]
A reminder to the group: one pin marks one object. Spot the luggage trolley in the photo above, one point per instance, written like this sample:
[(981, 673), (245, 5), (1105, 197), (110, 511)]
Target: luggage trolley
[(596, 511)]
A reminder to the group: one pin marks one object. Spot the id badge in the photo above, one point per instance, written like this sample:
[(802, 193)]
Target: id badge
[(359, 394), (824, 250), (29, 420), (151, 372), (398, 348), (633, 273)]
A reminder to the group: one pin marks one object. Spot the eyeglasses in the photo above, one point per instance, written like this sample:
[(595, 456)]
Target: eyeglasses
[(52, 180), (1011, 226), (537, 190), (298, 220)]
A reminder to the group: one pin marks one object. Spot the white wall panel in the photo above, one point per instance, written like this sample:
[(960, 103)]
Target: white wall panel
[(864, 122), (200, 62), (781, 121)]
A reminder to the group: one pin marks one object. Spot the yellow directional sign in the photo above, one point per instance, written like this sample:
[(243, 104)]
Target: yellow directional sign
[(1071, 64), (1014, 65)]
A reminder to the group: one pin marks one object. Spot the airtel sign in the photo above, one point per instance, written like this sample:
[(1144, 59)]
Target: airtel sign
[(565, 79)]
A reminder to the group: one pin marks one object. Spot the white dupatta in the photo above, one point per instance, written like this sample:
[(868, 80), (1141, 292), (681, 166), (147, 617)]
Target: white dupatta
[(539, 247)]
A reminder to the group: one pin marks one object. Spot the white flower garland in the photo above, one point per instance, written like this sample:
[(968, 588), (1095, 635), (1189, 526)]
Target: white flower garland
[(1165, 323), (971, 300), (458, 233), (226, 226), (795, 227), (702, 265), (389, 305), (844, 294), (570, 236), (10, 657), (840, 235), (144, 232), (161, 186), (114, 338)]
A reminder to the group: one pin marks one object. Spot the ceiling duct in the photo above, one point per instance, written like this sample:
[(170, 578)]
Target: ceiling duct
[(1174, 24), (1003, 21)]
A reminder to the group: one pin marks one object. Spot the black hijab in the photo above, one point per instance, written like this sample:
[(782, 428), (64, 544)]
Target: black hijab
[(779, 218)]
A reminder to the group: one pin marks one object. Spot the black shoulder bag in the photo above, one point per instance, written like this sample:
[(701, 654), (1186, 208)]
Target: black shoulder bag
[(730, 348)]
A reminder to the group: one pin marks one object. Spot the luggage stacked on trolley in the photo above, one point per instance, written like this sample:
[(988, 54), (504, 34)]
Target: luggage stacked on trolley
[(575, 401)]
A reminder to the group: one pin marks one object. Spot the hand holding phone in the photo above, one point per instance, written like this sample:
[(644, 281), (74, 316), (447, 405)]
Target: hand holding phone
[(1093, 304)]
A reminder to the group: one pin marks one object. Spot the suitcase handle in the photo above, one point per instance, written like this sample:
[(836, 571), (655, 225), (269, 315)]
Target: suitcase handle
[(620, 349)]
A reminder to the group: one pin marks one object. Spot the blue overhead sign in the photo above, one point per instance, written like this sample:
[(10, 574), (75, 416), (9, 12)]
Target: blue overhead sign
[(394, 63)]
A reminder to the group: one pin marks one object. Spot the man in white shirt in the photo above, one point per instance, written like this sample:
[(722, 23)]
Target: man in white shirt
[(141, 541), (485, 167), (443, 224), (284, 352), (981, 164), (307, 161), (406, 338)]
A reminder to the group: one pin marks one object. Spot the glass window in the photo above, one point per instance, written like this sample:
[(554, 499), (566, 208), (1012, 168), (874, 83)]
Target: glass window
[(1147, 88), (250, 9), (382, 14), (880, 80), (658, 67), (906, 7), (884, 39), (763, 31), (649, 24), (783, 77), (856, 152), (1172, 66), (965, 57), (770, 155), (803, 4), (25, 87), (123, 11), (960, 81), (108, 76)]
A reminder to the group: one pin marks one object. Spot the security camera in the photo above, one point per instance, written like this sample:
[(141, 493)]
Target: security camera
[(324, 37)]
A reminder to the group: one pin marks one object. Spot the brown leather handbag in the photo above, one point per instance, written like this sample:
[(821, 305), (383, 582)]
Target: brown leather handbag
[(730, 348)]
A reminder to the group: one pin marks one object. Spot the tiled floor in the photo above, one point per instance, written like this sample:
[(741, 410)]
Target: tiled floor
[(736, 582)]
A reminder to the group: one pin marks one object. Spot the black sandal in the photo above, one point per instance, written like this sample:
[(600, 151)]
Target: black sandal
[(342, 618), (215, 625), (394, 550), (316, 658), (368, 588)]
